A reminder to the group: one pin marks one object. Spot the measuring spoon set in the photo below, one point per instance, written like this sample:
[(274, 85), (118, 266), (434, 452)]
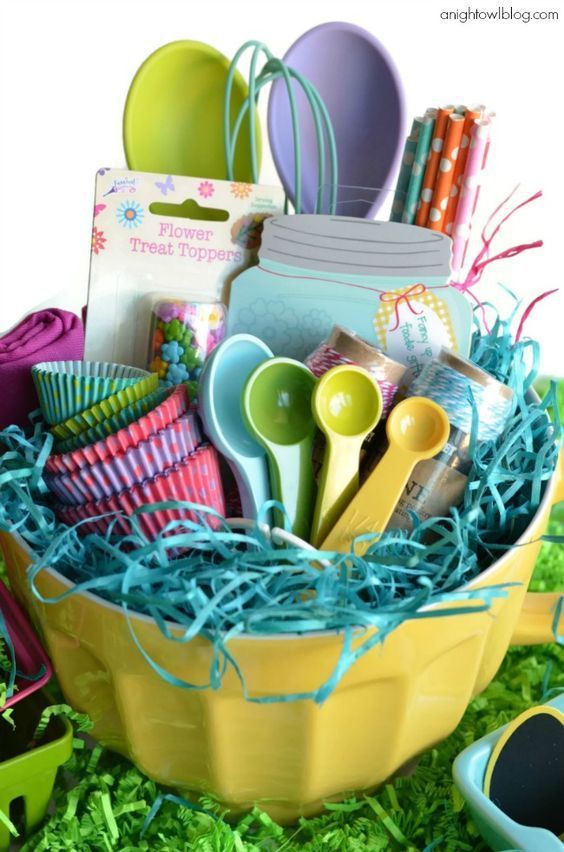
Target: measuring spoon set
[(262, 413)]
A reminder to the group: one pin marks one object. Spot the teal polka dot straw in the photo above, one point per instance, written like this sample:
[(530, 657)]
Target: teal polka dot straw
[(418, 168)]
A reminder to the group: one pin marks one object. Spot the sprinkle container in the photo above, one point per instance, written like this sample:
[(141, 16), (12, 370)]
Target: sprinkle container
[(182, 336)]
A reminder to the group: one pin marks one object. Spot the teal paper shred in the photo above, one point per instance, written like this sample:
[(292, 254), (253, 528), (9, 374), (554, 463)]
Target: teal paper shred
[(223, 583), (7, 662), (429, 810)]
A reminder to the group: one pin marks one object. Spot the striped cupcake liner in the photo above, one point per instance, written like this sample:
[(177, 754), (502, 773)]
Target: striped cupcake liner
[(65, 388), (196, 480), (112, 406), (160, 451), (170, 404), (113, 424)]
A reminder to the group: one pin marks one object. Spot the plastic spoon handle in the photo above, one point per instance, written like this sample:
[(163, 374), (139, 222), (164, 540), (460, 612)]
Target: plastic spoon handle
[(338, 483), (251, 476), (371, 509), (293, 483)]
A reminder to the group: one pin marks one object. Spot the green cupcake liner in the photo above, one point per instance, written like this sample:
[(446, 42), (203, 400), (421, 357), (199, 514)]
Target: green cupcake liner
[(100, 412), (113, 424), (65, 388)]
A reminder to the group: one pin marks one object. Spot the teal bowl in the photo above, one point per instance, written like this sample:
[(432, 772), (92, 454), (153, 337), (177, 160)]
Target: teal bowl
[(499, 831)]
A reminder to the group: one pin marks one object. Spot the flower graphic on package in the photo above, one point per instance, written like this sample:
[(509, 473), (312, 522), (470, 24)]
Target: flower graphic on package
[(206, 189), (130, 214), (241, 190), (98, 241)]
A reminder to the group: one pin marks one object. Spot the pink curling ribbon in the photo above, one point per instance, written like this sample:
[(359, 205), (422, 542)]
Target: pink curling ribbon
[(414, 291), (483, 258)]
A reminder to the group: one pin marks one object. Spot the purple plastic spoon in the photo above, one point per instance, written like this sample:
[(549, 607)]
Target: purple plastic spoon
[(361, 87)]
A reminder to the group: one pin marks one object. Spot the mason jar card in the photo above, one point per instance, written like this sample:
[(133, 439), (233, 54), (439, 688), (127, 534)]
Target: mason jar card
[(386, 281)]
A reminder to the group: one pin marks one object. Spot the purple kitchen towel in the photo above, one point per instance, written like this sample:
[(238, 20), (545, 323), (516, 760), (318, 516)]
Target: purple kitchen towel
[(48, 335)]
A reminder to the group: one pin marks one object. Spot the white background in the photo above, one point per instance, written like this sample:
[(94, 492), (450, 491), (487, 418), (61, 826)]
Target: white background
[(65, 71)]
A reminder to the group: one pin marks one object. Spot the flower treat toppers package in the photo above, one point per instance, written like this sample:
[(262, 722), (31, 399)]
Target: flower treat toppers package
[(164, 252)]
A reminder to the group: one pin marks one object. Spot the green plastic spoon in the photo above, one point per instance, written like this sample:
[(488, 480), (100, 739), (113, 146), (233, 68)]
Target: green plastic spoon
[(173, 118), (347, 405), (276, 407)]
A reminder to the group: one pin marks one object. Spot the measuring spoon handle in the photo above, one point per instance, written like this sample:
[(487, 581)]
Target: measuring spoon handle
[(251, 476), (371, 509), (293, 483), (338, 484)]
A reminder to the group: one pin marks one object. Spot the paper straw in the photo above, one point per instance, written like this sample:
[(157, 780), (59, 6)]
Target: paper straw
[(439, 132), (445, 174), (405, 170), (418, 169), (475, 163), (471, 116), (479, 188)]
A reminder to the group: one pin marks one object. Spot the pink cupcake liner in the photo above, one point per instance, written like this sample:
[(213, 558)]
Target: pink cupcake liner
[(174, 406), (73, 515), (160, 451), (196, 475)]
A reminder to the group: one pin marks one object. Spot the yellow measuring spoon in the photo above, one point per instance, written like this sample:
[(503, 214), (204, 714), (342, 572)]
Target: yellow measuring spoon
[(346, 405), (417, 429)]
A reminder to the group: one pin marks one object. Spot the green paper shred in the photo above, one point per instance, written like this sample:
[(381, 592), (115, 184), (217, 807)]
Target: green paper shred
[(81, 720)]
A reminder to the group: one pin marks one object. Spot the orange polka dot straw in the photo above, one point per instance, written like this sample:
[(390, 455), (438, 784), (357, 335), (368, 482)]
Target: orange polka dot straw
[(445, 172), (471, 115), (433, 165)]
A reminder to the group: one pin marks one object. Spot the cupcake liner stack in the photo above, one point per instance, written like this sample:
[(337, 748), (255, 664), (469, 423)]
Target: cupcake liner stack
[(136, 445)]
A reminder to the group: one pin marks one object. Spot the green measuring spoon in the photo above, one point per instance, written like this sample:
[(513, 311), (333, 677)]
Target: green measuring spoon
[(347, 405), (276, 408)]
